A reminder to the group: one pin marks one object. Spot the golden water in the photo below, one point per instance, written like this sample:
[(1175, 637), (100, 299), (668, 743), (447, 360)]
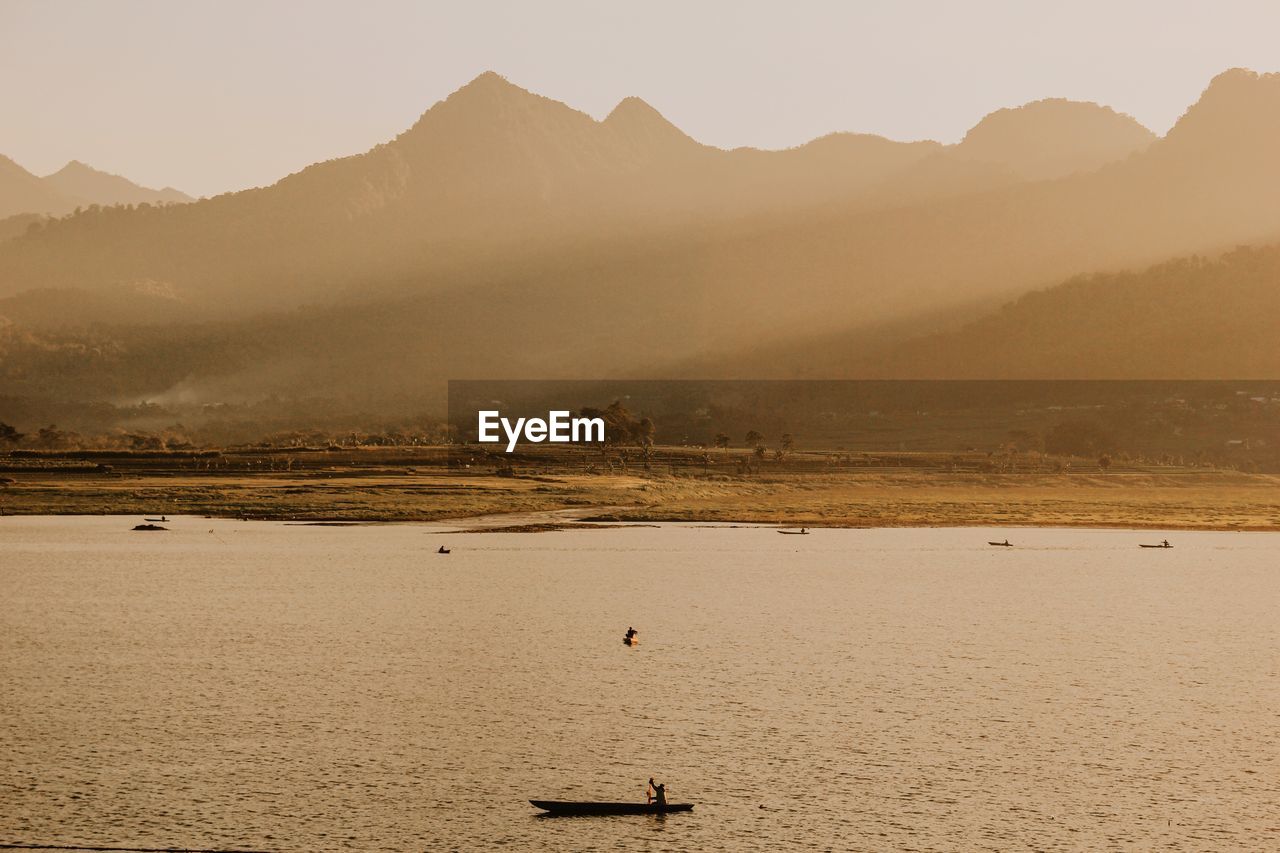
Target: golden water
[(261, 685)]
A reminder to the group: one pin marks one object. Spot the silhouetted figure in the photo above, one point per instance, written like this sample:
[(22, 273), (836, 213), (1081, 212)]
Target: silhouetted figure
[(442, 550), (1165, 542), (630, 636), (659, 795)]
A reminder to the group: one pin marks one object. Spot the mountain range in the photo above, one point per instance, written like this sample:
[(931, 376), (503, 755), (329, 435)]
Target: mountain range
[(74, 185), (505, 234)]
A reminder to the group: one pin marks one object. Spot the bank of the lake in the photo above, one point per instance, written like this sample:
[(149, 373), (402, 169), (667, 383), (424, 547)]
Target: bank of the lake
[(1210, 500)]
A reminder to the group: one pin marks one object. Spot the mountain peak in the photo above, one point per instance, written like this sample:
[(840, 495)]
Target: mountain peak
[(487, 98), (490, 84), (637, 121), (9, 164), (1054, 137), (1240, 77), (82, 182), (489, 110), (1239, 107), (632, 108), (77, 168)]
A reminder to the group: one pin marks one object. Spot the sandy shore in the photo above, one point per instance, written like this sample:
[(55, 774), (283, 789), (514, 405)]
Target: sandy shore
[(1208, 500)]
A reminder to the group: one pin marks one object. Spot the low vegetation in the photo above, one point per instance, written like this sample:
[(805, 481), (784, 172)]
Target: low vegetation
[(626, 484)]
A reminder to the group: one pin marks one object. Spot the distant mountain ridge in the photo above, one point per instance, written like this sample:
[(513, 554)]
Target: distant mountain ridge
[(76, 180), (74, 185), (22, 192), (1194, 317), (1191, 318), (491, 172), (1054, 138), (507, 235)]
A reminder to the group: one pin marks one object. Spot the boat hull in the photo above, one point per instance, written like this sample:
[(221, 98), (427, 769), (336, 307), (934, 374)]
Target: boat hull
[(560, 807)]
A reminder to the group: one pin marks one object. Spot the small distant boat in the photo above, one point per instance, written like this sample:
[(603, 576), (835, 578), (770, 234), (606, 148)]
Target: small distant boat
[(1005, 544), (631, 641), (161, 518), (558, 807), (149, 527), (1161, 545), (803, 531), (443, 550)]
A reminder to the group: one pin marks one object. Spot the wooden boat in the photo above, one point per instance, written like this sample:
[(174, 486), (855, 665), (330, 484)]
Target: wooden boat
[(149, 527), (1004, 544), (161, 518), (443, 550), (795, 532), (560, 807), (1165, 545)]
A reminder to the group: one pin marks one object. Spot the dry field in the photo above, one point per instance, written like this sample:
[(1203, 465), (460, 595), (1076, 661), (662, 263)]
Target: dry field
[(1203, 500)]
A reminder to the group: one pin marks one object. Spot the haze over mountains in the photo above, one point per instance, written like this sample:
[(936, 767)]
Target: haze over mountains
[(506, 234), (74, 185)]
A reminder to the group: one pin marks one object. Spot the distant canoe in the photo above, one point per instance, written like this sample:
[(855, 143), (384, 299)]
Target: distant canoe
[(795, 532), (1166, 545), (161, 518), (1001, 544), (559, 807), (149, 527)]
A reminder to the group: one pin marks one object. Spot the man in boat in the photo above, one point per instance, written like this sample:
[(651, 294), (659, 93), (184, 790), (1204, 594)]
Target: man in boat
[(1165, 543), (658, 794), (631, 635)]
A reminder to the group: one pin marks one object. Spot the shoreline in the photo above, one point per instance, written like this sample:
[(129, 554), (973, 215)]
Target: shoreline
[(1221, 501), (595, 524)]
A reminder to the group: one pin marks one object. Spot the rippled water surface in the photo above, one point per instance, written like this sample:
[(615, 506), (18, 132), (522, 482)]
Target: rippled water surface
[(282, 687)]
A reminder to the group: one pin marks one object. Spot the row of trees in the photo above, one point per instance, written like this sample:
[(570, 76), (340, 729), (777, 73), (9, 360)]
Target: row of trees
[(178, 437), (621, 428), (52, 438), (755, 441)]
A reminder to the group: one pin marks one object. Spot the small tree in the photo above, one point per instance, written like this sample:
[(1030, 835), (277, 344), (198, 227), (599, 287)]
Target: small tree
[(9, 435), (788, 442), (50, 436), (754, 438), (644, 432), (722, 440)]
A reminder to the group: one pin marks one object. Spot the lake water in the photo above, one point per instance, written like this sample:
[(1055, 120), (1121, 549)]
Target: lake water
[(282, 687)]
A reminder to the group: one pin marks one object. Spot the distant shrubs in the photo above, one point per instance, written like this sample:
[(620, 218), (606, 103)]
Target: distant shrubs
[(9, 435), (621, 427)]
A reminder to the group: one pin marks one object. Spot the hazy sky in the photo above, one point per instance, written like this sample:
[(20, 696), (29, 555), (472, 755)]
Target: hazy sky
[(212, 96)]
